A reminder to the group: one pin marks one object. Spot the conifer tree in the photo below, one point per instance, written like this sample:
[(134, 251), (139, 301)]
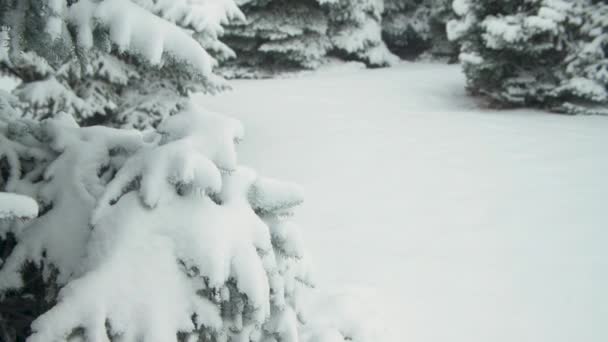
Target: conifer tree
[(546, 53), (356, 31), (124, 63), (279, 35), (119, 234), (155, 236), (414, 27), (288, 35)]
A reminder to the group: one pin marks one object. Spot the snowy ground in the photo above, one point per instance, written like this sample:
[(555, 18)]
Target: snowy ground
[(469, 225)]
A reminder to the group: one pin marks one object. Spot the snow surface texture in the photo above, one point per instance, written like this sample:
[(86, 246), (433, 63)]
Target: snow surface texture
[(457, 223)]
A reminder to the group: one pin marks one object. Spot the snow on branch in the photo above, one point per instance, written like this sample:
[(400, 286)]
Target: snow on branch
[(134, 29), (199, 15), (157, 235), (17, 206)]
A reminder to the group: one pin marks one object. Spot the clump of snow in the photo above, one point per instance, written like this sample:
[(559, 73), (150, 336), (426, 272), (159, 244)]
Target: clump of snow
[(461, 7), (470, 58), (502, 29), (268, 195), (17, 206), (51, 93), (551, 14), (583, 88), (540, 24), (456, 29), (131, 26), (7, 83)]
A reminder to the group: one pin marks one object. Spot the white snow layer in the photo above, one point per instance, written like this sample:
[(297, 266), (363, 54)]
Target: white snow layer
[(461, 7), (133, 28), (17, 206), (468, 224)]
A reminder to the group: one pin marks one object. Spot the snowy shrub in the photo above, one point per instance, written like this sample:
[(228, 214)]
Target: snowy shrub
[(546, 53), (413, 27), (151, 236), (119, 62)]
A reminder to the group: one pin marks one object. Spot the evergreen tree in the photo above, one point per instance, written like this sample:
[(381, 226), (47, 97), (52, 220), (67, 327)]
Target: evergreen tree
[(136, 235), (356, 31), (124, 63), (155, 236), (413, 27), (547, 53), (279, 35), (289, 35), (14, 210)]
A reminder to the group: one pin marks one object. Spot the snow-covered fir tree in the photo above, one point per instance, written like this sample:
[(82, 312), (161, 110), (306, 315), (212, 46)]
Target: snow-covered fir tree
[(413, 27), (289, 35), (546, 53), (279, 35), (119, 234), (356, 31), (124, 63), (149, 236), (152, 236)]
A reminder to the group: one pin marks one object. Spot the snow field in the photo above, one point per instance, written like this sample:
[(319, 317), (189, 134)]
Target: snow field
[(456, 223)]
